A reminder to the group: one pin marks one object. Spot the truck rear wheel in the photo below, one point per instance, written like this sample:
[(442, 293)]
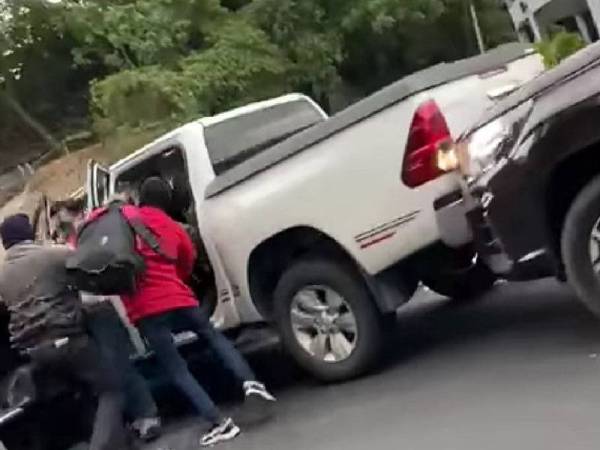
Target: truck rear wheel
[(327, 318), (580, 245)]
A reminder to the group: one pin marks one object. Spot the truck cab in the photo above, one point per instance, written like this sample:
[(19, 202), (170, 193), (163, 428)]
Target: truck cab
[(189, 158)]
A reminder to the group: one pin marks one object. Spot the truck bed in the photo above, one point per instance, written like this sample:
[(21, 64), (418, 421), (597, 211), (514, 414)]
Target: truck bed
[(388, 96)]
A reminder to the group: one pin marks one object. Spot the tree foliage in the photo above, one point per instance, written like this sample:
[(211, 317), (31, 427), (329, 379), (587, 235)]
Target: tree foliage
[(135, 97), (130, 63), (129, 34), (559, 47), (240, 65)]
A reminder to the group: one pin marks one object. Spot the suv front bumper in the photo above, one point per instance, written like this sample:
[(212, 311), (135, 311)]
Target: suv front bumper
[(499, 251)]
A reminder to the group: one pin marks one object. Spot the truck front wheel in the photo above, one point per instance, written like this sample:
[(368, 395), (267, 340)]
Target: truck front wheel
[(580, 244), (327, 319)]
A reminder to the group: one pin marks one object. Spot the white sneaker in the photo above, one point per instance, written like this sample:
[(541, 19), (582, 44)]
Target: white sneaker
[(255, 388), (259, 404), (222, 432), (147, 429)]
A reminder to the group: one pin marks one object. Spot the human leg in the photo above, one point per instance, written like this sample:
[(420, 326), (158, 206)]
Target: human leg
[(109, 431), (223, 349), (80, 359), (157, 331), (258, 401), (113, 339)]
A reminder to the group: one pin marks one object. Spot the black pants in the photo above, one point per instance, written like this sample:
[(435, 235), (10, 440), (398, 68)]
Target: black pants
[(80, 361)]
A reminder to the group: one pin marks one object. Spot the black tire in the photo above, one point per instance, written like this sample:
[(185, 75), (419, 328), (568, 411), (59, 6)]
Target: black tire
[(460, 279), (579, 222), (342, 278)]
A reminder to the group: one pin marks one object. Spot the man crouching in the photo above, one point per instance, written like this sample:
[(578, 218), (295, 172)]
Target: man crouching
[(46, 324)]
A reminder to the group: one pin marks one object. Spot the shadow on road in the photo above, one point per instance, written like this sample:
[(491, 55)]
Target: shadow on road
[(544, 315), (431, 323)]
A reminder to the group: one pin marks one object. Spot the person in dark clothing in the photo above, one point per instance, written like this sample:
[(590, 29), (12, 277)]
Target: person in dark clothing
[(105, 326), (46, 324), (163, 302)]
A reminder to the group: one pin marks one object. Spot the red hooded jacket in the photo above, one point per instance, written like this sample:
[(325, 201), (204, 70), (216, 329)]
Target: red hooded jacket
[(162, 288)]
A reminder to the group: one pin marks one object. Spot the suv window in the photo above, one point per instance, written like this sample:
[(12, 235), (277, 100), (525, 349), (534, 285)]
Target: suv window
[(235, 140)]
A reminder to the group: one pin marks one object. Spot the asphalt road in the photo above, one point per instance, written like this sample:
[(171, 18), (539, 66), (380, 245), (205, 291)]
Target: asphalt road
[(517, 369)]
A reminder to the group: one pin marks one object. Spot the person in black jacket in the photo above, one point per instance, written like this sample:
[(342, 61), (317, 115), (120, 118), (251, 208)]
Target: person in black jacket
[(46, 324), (107, 329)]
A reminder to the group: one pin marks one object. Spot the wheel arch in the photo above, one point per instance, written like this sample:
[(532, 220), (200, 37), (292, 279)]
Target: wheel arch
[(269, 260), (566, 155), (566, 182)]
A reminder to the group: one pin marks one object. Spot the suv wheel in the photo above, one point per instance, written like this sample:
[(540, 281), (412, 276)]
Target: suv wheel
[(580, 245), (327, 318)]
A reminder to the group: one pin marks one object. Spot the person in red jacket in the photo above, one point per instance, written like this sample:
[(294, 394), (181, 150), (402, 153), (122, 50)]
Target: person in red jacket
[(163, 302)]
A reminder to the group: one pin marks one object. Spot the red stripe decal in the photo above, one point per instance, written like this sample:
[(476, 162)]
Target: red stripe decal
[(378, 233), (378, 240)]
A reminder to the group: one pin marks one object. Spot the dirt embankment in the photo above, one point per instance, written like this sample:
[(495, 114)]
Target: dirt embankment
[(61, 177), (56, 180)]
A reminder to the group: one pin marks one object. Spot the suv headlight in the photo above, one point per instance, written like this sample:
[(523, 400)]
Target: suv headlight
[(478, 149)]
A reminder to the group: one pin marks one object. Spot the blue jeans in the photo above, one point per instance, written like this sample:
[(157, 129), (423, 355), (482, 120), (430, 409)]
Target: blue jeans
[(157, 330), (109, 332)]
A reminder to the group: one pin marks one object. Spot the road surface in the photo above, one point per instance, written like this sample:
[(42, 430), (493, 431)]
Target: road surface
[(518, 369)]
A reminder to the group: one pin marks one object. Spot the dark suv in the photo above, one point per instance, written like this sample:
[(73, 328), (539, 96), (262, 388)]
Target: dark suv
[(532, 178)]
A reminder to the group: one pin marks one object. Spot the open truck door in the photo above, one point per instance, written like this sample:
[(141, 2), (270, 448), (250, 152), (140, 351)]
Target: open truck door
[(98, 190), (98, 185)]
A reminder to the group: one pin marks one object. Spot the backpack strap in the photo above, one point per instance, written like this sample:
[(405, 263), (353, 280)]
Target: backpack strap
[(149, 238), (146, 235)]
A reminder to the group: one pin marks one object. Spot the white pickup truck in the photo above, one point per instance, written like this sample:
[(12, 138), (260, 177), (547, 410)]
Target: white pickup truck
[(324, 226)]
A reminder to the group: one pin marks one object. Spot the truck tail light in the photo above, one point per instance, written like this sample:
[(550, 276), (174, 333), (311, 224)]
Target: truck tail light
[(427, 134)]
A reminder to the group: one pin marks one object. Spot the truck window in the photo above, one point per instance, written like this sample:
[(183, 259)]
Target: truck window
[(169, 165), (237, 139)]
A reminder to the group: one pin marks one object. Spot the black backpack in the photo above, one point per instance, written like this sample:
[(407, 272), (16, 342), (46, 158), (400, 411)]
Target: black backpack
[(106, 261)]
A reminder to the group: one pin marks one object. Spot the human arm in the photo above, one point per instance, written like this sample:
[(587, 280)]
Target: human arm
[(186, 255)]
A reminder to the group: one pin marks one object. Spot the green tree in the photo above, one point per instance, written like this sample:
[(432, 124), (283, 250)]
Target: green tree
[(135, 62), (370, 43), (308, 35), (137, 33), (27, 31), (238, 66)]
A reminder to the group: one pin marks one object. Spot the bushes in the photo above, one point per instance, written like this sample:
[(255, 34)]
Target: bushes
[(139, 97), (240, 66), (559, 47)]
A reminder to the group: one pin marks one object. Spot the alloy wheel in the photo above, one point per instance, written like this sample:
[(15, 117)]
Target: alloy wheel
[(323, 323)]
